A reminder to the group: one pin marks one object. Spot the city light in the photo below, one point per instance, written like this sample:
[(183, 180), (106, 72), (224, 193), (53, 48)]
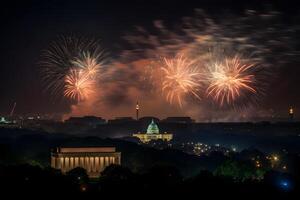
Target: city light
[(275, 158), (83, 188), (258, 165), (284, 167), (285, 184)]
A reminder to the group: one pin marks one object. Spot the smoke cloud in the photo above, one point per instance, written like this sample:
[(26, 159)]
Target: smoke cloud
[(263, 36)]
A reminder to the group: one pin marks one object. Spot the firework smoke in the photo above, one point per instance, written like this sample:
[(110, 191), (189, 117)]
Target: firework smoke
[(260, 38), (267, 43)]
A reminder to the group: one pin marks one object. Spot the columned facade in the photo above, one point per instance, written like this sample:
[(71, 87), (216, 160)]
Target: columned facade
[(93, 159)]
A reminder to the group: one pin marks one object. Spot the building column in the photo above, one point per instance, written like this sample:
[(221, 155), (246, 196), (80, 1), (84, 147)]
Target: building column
[(62, 164), (53, 162), (102, 163), (111, 160), (72, 163), (92, 162), (76, 162), (87, 164), (67, 164), (97, 165), (81, 162), (106, 161)]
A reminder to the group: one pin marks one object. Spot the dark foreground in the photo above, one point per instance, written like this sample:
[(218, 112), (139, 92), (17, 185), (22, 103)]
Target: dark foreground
[(145, 172), (160, 181)]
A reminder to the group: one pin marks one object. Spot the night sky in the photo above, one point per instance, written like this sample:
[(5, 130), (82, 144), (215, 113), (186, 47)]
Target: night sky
[(29, 27)]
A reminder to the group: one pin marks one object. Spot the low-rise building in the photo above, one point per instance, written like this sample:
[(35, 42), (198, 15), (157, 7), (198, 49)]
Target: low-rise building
[(93, 159)]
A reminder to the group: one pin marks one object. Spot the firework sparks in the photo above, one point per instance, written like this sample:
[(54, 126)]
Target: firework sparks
[(71, 66), (78, 85), (89, 63), (81, 82), (230, 80), (180, 77)]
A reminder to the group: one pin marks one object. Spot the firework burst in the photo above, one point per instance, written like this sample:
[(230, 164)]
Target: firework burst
[(180, 77), (71, 66), (230, 80), (81, 81), (78, 85), (89, 63)]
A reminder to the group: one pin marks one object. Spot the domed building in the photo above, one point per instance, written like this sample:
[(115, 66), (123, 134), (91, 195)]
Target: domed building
[(152, 128), (153, 134)]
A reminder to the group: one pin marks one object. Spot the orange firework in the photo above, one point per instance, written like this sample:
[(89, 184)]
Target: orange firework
[(81, 81), (89, 64), (230, 79), (78, 85), (180, 77), (71, 66)]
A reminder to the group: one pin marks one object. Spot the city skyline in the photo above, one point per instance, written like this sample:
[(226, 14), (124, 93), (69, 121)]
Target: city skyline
[(138, 41)]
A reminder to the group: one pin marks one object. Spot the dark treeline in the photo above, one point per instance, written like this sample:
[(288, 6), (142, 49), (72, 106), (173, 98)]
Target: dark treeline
[(265, 136), (118, 181)]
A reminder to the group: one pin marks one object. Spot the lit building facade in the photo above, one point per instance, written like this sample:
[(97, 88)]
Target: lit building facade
[(93, 159), (153, 134)]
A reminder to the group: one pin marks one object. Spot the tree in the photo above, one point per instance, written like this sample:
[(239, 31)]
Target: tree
[(163, 175), (116, 173), (117, 178), (236, 169), (78, 175)]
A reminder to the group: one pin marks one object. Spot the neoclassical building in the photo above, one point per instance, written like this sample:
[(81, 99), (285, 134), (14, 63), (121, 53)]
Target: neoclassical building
[(93, 159), (153, 134)]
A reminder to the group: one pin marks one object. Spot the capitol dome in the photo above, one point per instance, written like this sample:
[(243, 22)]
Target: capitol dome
[(152, 128)]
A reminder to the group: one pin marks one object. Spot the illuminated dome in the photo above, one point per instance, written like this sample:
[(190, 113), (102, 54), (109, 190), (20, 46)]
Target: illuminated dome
[(152, 128)]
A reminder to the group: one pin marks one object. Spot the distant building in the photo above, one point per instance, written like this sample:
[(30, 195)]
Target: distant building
[(91, 121), (182, 120), (93, 159), (4, 121), (153, 134), (147, 120), (120, 120)]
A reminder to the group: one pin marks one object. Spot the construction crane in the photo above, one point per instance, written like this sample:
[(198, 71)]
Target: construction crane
[(13, 109)]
